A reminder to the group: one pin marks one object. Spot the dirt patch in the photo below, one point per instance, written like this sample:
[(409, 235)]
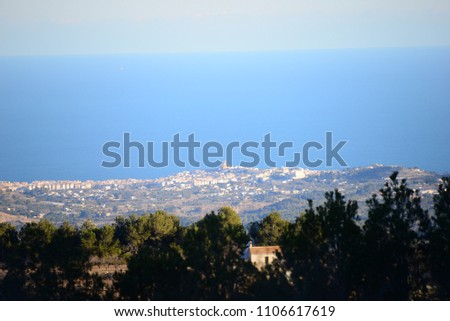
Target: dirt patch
[(8, 218)]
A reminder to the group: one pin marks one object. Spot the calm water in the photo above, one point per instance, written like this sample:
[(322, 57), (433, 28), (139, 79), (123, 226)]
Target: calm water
[(393, 105)]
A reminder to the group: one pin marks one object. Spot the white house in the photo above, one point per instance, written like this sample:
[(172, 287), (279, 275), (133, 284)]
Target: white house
[(261, 256)]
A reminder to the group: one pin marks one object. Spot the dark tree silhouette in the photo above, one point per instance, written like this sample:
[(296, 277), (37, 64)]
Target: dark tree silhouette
[(395, 232), (156, 272), (440, 240), (322, 250), (213, 249)]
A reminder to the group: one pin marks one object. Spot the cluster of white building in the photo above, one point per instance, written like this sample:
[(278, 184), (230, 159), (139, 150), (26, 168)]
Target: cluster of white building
[(200, 178), (60, 185)]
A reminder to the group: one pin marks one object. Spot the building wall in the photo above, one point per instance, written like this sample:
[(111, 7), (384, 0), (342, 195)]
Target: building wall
[(260, 259)]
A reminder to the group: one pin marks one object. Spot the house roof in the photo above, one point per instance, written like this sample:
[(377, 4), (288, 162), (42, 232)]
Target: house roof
[(255, 250)]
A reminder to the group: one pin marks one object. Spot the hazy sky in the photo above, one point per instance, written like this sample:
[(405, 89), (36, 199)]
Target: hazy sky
[(139, 26)]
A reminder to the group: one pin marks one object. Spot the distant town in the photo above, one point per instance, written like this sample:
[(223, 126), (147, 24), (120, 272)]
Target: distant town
[(252, 192)]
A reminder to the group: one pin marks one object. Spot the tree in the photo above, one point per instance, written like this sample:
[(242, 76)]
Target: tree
[(8, 242), (67, 264), (213, 248), (440, 240), (133, 231), (162, 224), (269, 230), (25, 275), (49, 264), (107, 245), (157, 270), (322, 248), (395, 235), (88, 236)]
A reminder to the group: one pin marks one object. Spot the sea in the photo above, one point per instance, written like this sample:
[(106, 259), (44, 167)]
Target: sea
[(389, 106)]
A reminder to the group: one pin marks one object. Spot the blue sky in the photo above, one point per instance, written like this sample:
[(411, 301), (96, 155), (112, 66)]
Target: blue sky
[(48, 27)]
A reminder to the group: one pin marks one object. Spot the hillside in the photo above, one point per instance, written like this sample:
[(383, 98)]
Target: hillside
[(190, 195)]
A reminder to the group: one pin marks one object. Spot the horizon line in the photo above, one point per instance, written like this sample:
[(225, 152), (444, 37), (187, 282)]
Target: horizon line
[(231, 51)]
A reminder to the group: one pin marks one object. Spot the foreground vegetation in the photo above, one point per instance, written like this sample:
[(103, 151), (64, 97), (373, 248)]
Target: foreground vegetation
[(401, 252)]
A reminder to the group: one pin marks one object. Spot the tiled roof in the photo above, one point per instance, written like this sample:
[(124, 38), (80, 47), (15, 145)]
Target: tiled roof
[(255, 250)]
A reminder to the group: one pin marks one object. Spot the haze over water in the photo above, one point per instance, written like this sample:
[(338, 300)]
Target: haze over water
[(56, 112)]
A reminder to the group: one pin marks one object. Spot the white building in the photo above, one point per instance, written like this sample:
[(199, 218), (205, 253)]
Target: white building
[(261, 256)]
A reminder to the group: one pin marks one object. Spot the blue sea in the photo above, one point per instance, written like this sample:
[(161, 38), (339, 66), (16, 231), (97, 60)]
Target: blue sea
[(56, 112)]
